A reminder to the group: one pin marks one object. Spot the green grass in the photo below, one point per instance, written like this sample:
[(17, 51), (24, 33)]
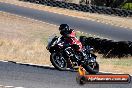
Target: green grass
[(127, 6)]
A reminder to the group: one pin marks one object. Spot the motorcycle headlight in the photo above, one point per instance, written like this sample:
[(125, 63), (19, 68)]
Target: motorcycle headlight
[(92, 60)]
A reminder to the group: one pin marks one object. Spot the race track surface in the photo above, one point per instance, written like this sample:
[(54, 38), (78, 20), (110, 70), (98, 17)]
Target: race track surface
[(12, 74), (87, 26), (44, 77)]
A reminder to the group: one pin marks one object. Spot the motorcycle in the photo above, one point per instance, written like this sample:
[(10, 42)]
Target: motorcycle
[(62, 57)]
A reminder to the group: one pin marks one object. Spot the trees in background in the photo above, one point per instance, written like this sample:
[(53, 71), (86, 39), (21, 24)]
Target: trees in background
[(108, 3), (126, 4)]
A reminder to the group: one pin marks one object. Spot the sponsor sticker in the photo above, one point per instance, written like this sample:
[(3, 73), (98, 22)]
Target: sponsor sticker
[(109, 78), (82, 77), (104, 78)]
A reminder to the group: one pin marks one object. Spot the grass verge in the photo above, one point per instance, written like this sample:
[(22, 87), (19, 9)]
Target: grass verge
[(101, 18), (24, 40)]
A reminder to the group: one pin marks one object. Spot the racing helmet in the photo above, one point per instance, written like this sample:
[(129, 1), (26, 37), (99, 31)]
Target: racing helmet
[(64, 28)]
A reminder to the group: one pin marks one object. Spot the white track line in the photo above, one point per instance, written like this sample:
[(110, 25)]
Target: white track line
[(50, 66), (42, 22), (104, 22), (53, 25), (27, 18), (2, 86)]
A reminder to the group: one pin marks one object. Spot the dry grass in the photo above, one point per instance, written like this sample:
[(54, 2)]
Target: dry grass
[(111, 20), (115, 65), (24, 40)]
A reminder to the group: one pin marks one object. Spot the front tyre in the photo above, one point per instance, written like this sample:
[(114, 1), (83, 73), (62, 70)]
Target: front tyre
[(81, 80), (58, 61), (92, 68)]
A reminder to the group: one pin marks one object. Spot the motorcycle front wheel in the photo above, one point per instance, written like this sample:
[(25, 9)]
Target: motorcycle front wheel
[(58, 61), (92, 68)]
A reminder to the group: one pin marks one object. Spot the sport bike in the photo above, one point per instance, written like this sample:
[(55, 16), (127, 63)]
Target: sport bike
[(63, 58)]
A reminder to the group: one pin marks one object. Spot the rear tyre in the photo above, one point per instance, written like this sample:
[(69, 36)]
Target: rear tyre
[(58, 61)]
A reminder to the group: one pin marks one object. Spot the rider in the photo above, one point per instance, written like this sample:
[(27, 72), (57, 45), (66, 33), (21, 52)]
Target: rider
[(70, 39)]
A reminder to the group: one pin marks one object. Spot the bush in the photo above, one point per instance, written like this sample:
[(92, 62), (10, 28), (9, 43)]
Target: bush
[(127, 6)]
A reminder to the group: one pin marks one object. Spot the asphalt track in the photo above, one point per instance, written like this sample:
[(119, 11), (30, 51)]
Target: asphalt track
[(25, 76), (45, 77), (87, 26)]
